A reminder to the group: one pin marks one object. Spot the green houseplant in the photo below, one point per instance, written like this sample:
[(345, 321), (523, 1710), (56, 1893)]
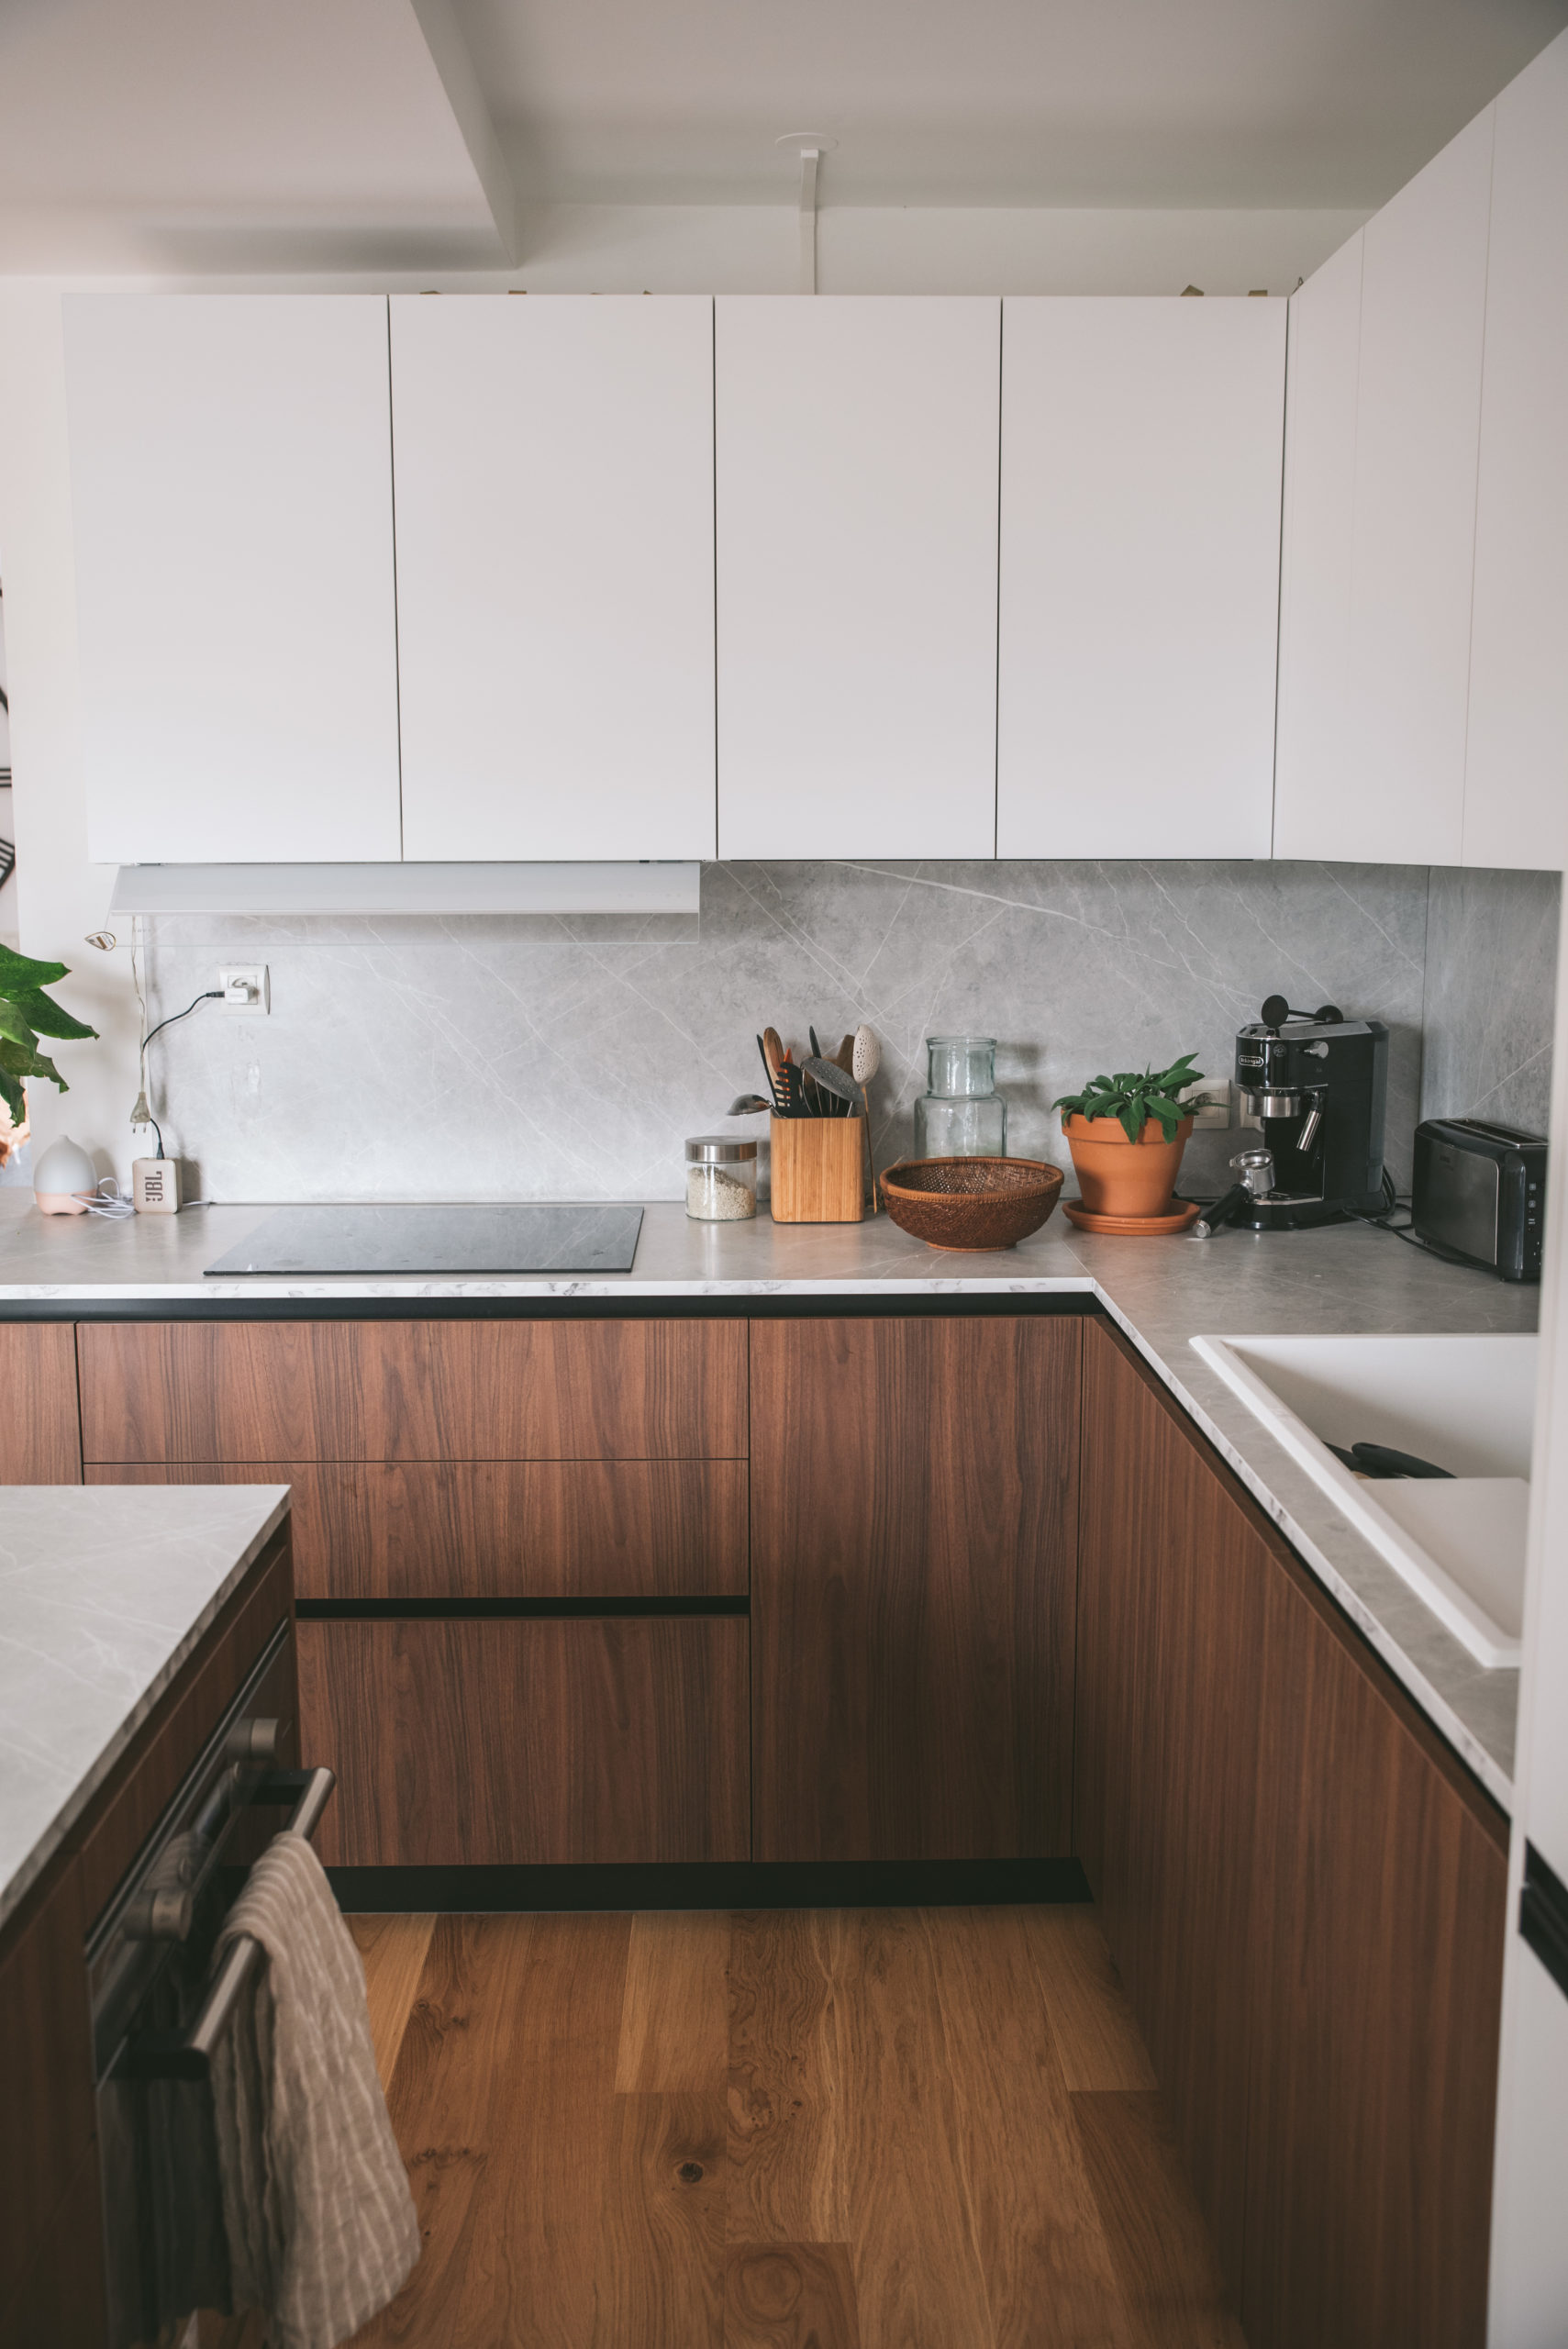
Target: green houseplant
[(1126, 1133), (26, 1014)]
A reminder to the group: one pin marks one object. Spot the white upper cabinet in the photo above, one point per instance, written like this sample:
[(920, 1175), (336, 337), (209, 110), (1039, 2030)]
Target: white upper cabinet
[(857, 449), (1374, 769), (1516, 786), (1314, 746), (1139, 569), (231, 480), (554, 496)]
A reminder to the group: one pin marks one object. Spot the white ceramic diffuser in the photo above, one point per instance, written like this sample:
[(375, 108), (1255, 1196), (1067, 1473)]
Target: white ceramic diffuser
[(64, 1179)]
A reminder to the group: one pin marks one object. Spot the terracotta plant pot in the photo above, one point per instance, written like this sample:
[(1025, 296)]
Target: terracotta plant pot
[(1120, 1178)]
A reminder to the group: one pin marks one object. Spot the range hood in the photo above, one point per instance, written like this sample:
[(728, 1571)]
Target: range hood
[(407, 889)]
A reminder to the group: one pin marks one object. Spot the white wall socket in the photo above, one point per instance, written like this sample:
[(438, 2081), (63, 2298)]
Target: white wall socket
[(1209, 1103), (246, 987)]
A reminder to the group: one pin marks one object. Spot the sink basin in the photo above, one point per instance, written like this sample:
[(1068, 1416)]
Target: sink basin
[(1466, 1403)]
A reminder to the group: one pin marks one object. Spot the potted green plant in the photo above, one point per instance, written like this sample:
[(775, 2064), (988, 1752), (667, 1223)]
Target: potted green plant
[(26, 1014), (1126, 1133)]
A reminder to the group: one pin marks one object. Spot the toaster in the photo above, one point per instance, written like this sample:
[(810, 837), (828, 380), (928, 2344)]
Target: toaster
[(1480, 1192)]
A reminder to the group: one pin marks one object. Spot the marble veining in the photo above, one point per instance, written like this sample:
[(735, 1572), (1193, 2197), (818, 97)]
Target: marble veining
[(1162, 1293), (481, 1058), (105, 1592), (1489, 1012)]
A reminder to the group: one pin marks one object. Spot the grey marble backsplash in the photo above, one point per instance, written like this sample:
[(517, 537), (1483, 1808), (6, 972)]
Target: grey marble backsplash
[(533, 1058), (1490, 997)]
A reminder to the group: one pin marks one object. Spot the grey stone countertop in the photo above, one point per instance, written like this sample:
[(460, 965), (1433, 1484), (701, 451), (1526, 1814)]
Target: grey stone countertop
[(105, 1590), (1162, 1292)]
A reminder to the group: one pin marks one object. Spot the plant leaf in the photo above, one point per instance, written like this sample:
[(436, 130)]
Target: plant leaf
[(21, 971), (13, 1098), (47, 1017), (14, 1027), (1132, 1118), (15, 1060)]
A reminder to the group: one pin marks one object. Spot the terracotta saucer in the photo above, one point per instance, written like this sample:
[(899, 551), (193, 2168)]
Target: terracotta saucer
[(1132, 1227)]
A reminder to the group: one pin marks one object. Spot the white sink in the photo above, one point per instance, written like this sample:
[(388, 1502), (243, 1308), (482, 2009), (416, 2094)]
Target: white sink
[(1466, 1403)]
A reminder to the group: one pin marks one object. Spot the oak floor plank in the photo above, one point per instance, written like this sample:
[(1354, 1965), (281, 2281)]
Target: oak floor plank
[(790, 2296), (454, 2081), (530, 2280), (785, 2144), (1165, 2264), (393, 1950), (659, 2276), (919, 2283), (674, 2031), (1050, 2280), (1097, 2038)]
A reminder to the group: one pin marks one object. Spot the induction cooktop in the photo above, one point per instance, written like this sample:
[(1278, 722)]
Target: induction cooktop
[(440, 1243)]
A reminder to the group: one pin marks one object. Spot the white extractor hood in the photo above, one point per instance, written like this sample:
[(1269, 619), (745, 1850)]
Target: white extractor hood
[(406, 888)]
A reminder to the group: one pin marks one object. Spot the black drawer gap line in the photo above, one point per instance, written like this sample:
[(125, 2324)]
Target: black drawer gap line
[(477, 1889), (391, 1611)]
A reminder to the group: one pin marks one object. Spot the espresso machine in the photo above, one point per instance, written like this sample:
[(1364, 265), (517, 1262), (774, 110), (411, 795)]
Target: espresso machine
[(1316, 1086)]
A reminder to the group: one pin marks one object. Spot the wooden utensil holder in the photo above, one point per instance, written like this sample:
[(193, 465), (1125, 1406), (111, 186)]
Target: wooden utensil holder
[(817, 1169)]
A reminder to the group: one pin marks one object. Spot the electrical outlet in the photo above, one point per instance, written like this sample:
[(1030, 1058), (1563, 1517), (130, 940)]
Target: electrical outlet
[(1209, 1103), (246, 988)]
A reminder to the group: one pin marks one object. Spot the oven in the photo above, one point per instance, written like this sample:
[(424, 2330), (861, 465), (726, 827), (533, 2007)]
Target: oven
[(159, 2007)]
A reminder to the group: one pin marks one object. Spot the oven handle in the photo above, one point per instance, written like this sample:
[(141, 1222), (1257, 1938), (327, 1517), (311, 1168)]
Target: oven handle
[(187, 2054)]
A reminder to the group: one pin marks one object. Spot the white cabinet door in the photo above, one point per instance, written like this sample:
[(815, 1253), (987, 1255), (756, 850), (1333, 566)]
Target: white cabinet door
[(554, 466), (1400, 796), (1515, 784), (1140, 575), (857, 575), (1313, 746), (231, 480)]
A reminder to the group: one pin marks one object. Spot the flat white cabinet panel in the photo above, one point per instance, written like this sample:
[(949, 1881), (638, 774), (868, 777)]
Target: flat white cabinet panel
[(555, 576), (231, 480), (1400, 796), (1141, 445), (857, 575), (1313, 744), (1515, 785)]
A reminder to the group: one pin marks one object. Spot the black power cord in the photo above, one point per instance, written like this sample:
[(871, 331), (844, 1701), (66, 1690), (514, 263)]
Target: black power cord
[(1404, 1231), (209, 995)]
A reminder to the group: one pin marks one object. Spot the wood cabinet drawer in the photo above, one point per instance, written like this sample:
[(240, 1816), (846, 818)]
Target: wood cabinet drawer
[(501, 1528), (536, 1741), (40, 1440), (256, 1391)]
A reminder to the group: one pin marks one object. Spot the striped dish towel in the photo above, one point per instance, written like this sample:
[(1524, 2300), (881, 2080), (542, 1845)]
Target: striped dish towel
[(315, 2202)]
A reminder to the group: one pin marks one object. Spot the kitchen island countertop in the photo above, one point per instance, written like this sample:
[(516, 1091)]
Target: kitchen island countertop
[(106, 1591), (1162, 1293)]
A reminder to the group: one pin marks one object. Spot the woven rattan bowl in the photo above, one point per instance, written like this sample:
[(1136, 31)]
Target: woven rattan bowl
[(970, 1203)]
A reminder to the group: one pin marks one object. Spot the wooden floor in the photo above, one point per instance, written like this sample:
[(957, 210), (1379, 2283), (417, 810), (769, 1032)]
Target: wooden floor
[(884, 2129)]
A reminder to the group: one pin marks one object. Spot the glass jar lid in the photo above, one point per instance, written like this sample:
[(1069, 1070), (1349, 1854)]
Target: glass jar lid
[(720, 1150)]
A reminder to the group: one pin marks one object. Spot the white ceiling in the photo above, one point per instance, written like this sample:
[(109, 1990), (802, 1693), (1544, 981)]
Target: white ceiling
[(222, 134), (1245, 102)]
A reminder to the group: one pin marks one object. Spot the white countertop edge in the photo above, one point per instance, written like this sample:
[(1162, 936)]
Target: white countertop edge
[(26, 1872), (623, 1284), (1465, 1742)]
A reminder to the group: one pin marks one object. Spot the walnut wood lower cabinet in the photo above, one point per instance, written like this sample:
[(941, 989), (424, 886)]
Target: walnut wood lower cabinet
[(914, 1523), (1303, 1888), (530, 1742), (41, 1429)]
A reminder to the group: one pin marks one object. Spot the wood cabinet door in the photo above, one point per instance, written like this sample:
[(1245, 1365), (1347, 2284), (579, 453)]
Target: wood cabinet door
[(1376, 1946), (530, 1743), (555, 630), (40, 1427), (258, 1391), (1172, 1579), (46, 2068), (913, 1494), (231, 488), (1140, 575), (856, 456)]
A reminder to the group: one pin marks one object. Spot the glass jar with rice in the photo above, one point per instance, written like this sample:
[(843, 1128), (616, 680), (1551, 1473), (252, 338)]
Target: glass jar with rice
[(721, 1178)]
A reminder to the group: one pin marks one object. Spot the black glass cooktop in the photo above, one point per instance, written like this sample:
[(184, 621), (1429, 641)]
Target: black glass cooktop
[(440, 1243)]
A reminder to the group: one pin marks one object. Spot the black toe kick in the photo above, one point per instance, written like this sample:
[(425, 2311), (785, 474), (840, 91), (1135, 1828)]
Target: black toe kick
[(711, 1884)]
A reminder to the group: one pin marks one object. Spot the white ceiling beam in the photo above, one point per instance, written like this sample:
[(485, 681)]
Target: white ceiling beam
[(452, 60)]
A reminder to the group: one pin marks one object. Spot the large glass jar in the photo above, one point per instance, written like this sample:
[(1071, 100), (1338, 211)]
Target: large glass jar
[(721, 1178), (961, 1113)]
